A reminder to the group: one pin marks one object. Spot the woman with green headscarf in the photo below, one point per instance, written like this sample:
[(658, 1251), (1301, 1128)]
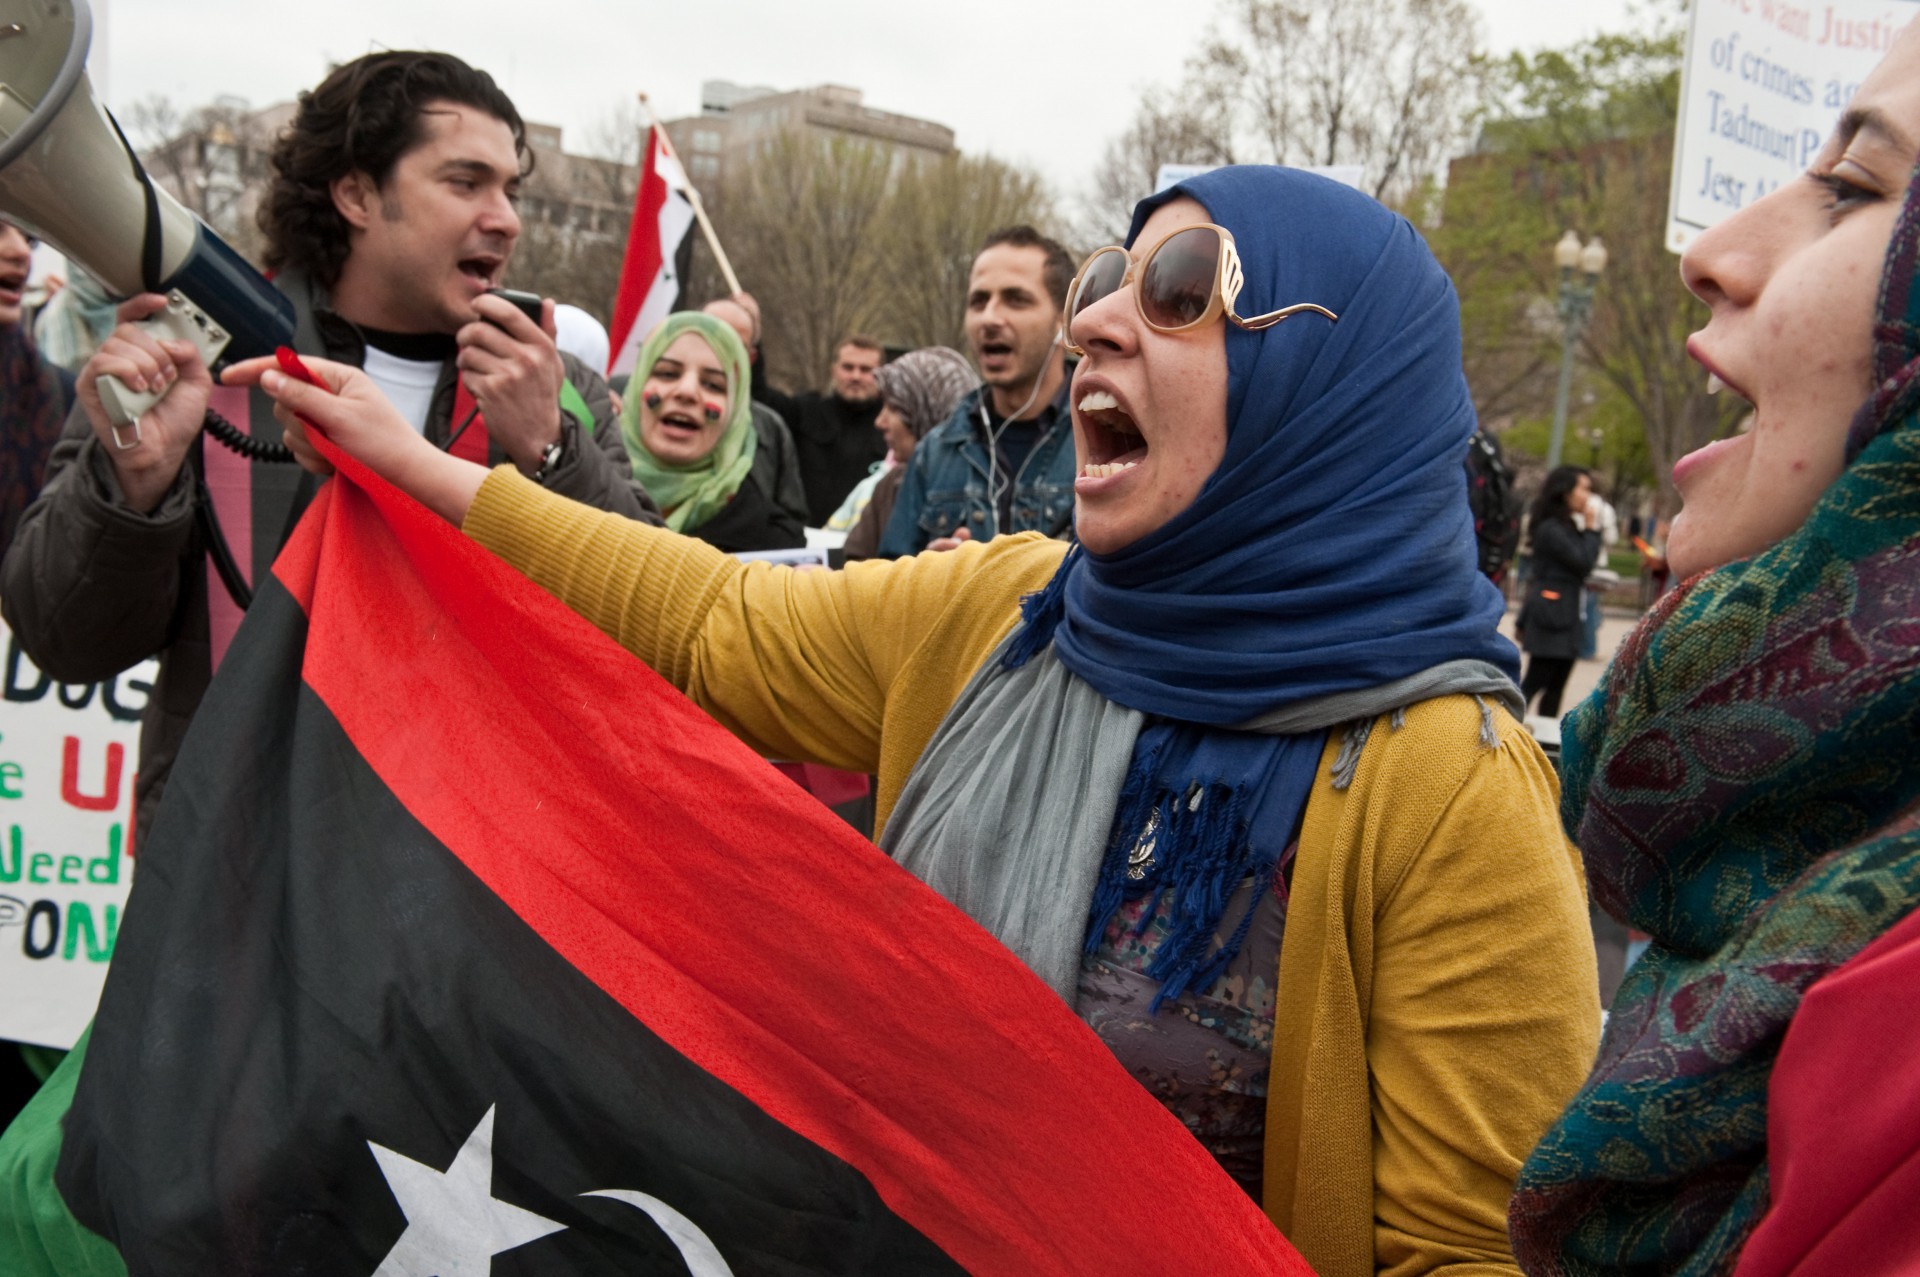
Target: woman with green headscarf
[(688, 426)]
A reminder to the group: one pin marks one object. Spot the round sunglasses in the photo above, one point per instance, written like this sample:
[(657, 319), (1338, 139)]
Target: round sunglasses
[(1188, 279)]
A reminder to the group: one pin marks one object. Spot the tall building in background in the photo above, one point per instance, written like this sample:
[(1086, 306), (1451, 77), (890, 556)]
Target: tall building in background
[(737, 120)]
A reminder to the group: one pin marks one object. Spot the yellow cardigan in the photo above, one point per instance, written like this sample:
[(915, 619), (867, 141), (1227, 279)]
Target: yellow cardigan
[(1436, 1004)]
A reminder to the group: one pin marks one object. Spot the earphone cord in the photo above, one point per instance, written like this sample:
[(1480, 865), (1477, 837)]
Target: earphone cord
[(997, 486)]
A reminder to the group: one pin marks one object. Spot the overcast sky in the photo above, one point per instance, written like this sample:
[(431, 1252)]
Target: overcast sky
[(1034, 81)]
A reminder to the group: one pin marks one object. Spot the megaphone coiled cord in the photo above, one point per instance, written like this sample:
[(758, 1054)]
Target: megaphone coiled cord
[(233, 439)]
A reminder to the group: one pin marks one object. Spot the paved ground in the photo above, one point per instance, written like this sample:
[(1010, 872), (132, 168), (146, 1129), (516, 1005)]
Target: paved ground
[(1614, 626)]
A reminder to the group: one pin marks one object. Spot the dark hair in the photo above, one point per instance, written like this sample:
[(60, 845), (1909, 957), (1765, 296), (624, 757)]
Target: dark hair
[(1552, 501), (1057, 270), (859, 341), (362, 118)]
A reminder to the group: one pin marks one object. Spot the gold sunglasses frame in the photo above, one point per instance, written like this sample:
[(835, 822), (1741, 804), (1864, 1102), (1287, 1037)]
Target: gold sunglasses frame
[(1228, 279)]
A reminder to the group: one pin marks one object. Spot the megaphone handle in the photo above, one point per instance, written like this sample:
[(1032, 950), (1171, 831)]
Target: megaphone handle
[(124, 407), (180, 321)]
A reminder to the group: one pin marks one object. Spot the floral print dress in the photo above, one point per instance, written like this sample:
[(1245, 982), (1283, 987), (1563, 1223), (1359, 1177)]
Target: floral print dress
[(1204, 1055)]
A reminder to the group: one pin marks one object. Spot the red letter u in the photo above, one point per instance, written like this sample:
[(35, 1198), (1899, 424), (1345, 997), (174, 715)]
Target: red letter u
[(70, 777)]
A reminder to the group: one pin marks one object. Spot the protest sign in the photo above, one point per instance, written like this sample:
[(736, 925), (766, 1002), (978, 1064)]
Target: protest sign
[(67, 756), (1763, 83)]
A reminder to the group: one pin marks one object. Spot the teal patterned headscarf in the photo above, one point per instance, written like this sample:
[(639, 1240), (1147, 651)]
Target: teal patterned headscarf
[(690, 495), (1745, 785)]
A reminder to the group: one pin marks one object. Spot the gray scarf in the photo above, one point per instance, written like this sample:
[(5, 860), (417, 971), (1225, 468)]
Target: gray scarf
[(1009, 811)]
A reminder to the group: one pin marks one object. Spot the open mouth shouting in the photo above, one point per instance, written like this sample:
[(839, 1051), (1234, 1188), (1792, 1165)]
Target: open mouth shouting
[(1716, 383), (483, 269), (1702, 458), (1113, 443), (13, 286), (995, 355), (677, 423)]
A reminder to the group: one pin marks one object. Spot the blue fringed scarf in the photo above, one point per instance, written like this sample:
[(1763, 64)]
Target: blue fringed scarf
[(1331, 552), (1188, 844)]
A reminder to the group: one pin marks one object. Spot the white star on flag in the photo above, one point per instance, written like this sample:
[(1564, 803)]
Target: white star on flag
[(455, 1226)]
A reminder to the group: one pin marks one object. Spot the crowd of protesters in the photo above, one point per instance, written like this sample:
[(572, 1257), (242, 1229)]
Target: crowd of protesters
[(1164, 635)]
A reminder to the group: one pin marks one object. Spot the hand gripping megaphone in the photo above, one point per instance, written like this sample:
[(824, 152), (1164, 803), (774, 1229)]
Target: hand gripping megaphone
[(68, 176)]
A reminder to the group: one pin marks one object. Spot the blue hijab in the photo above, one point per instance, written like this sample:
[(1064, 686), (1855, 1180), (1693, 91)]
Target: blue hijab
[(1331, 551)]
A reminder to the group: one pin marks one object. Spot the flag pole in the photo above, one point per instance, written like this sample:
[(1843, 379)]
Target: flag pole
[(693, 198)]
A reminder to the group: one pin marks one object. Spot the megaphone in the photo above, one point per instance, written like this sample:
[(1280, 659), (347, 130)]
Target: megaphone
[(68, 176)]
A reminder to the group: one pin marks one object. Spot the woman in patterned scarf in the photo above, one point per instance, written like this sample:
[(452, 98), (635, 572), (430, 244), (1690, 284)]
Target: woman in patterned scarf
[(1745, 783)]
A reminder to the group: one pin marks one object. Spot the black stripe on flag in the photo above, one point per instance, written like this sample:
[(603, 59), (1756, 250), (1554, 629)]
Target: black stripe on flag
[(305, 973)]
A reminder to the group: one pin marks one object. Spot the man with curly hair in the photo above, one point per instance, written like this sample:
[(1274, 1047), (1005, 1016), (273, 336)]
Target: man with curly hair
[(389, 216)]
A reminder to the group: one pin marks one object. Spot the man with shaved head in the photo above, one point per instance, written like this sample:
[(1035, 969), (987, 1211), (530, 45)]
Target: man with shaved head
[(730, 311), (742, 314)]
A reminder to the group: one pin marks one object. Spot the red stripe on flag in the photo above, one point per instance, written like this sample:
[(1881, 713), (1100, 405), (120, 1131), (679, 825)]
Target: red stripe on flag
[(645, 254), (741, 922)]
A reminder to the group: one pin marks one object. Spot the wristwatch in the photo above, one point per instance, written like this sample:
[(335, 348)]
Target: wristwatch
[(550, 459)]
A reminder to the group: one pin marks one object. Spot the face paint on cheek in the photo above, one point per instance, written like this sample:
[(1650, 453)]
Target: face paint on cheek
[(712, 409), (652, 400)]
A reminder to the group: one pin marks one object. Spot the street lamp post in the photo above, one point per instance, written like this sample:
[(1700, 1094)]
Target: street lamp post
[(1576, 307), (1594, 436)]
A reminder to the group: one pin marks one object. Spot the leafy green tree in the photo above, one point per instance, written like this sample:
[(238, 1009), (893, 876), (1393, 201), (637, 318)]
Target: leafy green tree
[(1580, 138)]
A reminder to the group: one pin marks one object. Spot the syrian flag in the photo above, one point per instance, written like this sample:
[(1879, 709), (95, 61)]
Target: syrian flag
[(659, 241), (465, 945)]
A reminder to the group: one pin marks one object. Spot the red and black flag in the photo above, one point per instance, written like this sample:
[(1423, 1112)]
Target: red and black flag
[(464, 944)]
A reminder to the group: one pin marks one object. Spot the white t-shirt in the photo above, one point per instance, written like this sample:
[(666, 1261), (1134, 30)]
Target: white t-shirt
[(408, 383), (580, 335)]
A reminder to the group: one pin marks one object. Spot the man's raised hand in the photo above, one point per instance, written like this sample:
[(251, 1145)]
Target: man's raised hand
[(148, 454)]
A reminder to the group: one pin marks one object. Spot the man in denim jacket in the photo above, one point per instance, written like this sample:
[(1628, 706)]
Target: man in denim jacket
[(1004, 461)]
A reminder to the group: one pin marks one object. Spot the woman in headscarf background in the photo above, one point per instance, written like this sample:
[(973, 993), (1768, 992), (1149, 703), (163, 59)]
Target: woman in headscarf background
[(918, 391), (1242, 778), (1744, 782), (688, 424)]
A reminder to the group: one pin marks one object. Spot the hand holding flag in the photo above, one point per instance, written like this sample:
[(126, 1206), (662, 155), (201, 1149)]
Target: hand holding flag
[(318, 400)]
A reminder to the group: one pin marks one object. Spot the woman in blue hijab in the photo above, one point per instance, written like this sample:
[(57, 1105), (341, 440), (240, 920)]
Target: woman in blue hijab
[(1240, 774)]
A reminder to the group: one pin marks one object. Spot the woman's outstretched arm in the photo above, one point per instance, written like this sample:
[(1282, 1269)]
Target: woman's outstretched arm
[(356, 418)]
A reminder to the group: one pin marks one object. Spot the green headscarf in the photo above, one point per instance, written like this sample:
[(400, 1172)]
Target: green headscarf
[(690, 495)]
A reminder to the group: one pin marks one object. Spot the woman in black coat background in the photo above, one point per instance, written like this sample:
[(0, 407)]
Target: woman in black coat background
[(1563, 557)]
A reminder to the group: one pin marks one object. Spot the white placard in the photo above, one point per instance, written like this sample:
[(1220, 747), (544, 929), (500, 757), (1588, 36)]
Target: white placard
[(67, 756), (1760, 90)]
